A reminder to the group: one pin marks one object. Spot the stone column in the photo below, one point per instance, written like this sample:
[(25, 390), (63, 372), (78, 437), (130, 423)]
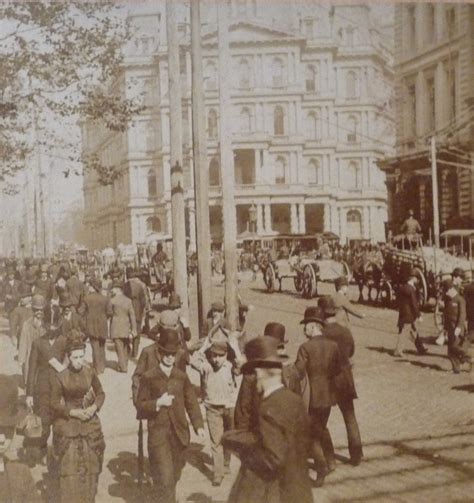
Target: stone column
[(268, 218), (373, 230), (258, 167), (334, 219), (267, 178), (260, 229), (342, 224), (192, 225), (327, 217), (366, 223), (302, 218), (421, 110), (294, 218), (441, 96), (169, 225)]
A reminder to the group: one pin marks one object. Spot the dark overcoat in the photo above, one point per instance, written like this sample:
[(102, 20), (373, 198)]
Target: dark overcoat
[(408, 306), (153, 385), (341, 335), (320, 360), (95, 314), (274, 470), (248, 399)]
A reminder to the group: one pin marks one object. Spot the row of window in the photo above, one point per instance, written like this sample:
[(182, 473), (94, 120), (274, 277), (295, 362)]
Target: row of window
[(313, 124), (279, 77)]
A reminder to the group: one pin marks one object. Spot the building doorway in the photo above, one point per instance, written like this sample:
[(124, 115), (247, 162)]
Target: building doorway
[(244, 162), (281, 218), (354, 225), (314, 215)]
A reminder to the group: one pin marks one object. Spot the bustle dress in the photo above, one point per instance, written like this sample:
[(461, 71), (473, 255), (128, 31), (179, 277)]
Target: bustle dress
[(78, 446)]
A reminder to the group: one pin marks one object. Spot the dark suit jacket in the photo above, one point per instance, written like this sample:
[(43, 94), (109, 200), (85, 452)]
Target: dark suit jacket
[(455, 313), (75, 323), (14, 292), (275, 468), (149, 359), (341, 335), (469, 297), (95, 313), (39, 369), (75, 289), (319, 358), (154, 384), (408, 307), (135, 291), (248, 399)]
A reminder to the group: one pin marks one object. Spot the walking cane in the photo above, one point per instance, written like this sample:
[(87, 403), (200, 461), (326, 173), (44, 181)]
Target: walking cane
[(140, 454)]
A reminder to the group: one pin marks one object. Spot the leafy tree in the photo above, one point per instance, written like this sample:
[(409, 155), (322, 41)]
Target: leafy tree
[(56, 61)]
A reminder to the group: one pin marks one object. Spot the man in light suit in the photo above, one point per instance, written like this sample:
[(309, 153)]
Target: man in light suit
[(123, 325), (136, 291)]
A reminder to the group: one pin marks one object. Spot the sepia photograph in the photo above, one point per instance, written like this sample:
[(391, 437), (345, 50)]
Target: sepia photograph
[(236, 251)]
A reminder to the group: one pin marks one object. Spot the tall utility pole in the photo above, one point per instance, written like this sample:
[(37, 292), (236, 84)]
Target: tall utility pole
[(180, 275), (227, 166), (201, 175), (434, 181)]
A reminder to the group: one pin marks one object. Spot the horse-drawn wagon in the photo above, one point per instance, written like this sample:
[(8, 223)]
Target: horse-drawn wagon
[(305, 260)]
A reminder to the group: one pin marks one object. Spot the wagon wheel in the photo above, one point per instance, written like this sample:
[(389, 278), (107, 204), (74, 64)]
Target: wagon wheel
[(298, 280), (310, 282), (386, 294), (269, 278), (422, 287)]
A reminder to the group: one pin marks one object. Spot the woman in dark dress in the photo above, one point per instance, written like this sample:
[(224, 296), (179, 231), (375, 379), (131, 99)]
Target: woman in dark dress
[(78, 442)]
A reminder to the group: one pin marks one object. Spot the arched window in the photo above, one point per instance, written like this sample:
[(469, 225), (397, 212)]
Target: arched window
[(351, 84), (352, 126), (314, 172), (354, 175), (278, 73), (212, 124), (313, 126), (280, 169), (245, 120), (311, 79), (210, 76), (244, 74), (151, 180), (153, 224), (214, 173), (279, 120), (354, 224)]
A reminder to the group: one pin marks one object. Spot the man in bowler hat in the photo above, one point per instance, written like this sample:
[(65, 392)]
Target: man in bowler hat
[(345, 386), (319, 358), (248, 398), (165, 395), (274, 457)]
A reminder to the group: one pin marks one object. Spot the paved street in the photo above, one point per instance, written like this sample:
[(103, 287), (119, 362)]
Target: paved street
[(416, 418)]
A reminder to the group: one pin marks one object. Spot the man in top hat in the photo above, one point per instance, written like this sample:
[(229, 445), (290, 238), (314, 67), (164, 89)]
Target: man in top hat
[(32, 329), (123, 325), (408, 314), (16, 482), (21, 313), (48, 353), (44, 285), (342, 303), (248, 398), (137, 292), (454, 324), (274, 459), (165, 395), (96, 322), (319, 358), (345, 386)]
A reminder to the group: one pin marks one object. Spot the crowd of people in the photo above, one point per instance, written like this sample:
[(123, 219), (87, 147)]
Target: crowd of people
[(255, 402)]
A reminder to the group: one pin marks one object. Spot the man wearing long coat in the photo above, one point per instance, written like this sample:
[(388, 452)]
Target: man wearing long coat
[(136, 291), (123, 325), (96, 321)]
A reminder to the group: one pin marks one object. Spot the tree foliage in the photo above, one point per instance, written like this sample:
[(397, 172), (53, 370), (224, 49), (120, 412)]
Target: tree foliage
[(57, 60)]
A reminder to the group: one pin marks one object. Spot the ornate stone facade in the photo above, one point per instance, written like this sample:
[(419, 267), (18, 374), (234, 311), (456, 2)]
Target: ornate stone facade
[(311, 114)]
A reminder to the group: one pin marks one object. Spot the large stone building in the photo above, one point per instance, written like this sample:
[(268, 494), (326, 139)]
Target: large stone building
[(434, 76), (311, 113)]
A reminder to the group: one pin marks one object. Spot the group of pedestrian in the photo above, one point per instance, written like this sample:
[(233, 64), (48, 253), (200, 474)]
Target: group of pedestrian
[(457, 304)]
